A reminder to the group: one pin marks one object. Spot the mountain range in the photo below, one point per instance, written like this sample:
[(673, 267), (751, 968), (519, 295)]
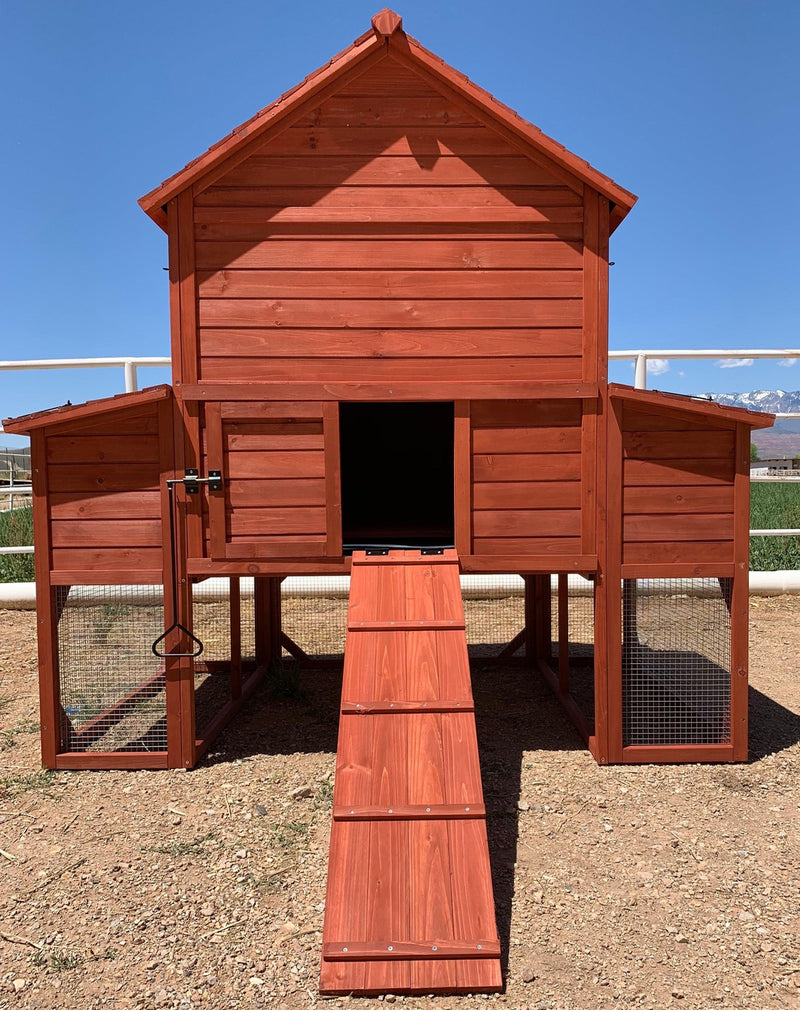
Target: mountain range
[(783, 439)]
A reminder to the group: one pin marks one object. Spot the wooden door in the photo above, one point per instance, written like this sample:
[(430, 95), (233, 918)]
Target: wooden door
[(280, 496)]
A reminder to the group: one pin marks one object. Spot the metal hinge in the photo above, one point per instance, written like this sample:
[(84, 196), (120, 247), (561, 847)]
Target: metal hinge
[(192, 480)]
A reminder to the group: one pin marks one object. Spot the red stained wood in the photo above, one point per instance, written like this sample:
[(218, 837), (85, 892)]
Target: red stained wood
[(276, 493), (364, 197), (390, 284), (662, 445), (638, 528), (102, 448), (398, 391), (665, 499), (329, 252), (532, 413), (402, 313), (406, 883), (276, 464), (91, 478), (375, 369), (527, 545), (271, 521), (527, 523), (106, 533), (399, 343), (346, 111), (687, 471), (527, 466), (122, 505), (528, 494), (128, 561), (686, 552), (271, 439), (335, 170), (527, 439)]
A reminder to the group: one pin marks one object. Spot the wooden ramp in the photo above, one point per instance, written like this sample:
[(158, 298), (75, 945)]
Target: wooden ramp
[(409, 906)]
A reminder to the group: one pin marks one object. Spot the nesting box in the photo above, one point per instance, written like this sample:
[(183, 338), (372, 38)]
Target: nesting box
[(389, 300)]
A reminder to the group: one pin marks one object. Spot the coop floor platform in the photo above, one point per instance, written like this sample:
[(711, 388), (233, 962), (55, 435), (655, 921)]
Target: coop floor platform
[(409, 906)]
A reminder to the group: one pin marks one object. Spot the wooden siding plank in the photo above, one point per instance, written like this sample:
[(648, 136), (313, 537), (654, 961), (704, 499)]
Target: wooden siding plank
[(686, 471), (377, 369), (276, 464), (114, 448), (663, 445), (533, 466), (560, 342), (527, 494), (677, 499), (526, 414), (106, 533), (411, 112), (399, 391), (526, 439), (688, 552), (640, 528), (271, 521), (414, 253), (398, 170), (333, 480), (90, 478), (363, 197), (527, 523), (90, 559), (527, 545), (271, 440), (391, 312), (271, 493), (120, 505), (390, 284)]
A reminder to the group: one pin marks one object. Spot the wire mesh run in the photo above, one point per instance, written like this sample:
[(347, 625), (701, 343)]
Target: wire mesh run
[(494, 617), (315, 622), (572, 612), (111, 686), (676, 661)]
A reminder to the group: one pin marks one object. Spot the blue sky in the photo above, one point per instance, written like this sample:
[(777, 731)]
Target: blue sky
[(692, 104)]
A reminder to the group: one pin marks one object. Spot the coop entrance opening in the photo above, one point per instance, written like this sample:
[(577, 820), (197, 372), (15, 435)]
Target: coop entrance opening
[(397, 475)]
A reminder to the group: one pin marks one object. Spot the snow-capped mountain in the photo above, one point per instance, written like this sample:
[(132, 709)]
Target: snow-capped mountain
[(774, 401)]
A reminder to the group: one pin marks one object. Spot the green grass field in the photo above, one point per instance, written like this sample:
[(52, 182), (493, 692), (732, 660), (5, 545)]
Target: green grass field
[(772, 506)]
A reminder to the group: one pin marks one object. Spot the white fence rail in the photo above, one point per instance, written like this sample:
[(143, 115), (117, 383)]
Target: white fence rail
[(130, 366)]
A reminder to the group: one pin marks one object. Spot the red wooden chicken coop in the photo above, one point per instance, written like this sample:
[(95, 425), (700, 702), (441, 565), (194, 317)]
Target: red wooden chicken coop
[(389, 300)]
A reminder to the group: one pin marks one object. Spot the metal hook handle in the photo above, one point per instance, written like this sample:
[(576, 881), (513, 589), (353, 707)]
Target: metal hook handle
[(180, 655)]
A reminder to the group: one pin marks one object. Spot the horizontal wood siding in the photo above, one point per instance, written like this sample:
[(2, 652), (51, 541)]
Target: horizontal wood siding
[(678, 489), (103, 476), (526, 463), (388, 235), (274, 495)]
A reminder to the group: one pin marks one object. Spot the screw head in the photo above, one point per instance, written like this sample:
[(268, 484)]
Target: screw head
[(390, 947)]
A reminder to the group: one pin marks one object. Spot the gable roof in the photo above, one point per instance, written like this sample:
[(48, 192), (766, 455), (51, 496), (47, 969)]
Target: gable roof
[(77, 411), (652, 398), (386, 38)]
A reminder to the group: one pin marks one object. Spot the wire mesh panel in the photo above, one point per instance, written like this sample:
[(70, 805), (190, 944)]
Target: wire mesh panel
[(580, 640), (315, 619), (111, 686), (676, 661), (211, 623), (494, 615)]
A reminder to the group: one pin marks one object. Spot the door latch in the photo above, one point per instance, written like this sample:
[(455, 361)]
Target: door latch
[(192, 480)]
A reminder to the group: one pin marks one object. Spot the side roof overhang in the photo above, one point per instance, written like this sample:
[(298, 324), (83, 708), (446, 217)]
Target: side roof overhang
[(80, 411), (386, 37), (651, 399)]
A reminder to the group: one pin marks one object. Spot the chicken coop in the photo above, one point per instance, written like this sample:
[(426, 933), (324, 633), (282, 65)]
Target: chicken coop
[(388, 304)]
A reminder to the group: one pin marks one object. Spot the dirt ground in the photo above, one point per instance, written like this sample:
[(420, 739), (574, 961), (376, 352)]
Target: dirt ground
[(621, 887)]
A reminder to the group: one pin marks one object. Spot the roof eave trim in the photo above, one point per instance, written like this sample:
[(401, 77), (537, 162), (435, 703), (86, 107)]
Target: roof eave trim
[(693, 405), (75, 411)]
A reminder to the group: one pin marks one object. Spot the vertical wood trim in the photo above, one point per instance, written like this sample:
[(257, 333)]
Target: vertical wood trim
[(235, 601), (740, 599), (612, 585), (277, 624), (603, 228), (563, 632), (530, 618), (589, 465), (261, 619), (174, 293), (591, 282), (333, 479), (544, 635), (215, 460), (462, 477), (46, 621), (168, 421)]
